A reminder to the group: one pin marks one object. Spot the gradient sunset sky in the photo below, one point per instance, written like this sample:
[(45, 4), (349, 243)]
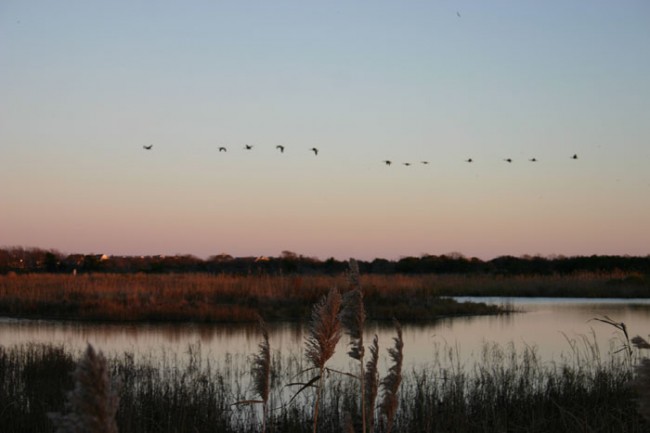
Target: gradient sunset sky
[(84, 85)]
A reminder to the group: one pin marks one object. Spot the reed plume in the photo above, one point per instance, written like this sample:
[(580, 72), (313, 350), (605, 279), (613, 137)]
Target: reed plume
[(371, 384), (390, 384), (354, 277), (324, 334), (353, 319), (92, 404), (261, 371), (353, 313)]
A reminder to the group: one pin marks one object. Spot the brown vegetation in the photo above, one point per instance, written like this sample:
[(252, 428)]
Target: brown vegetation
[(505, 392), (211, 298)]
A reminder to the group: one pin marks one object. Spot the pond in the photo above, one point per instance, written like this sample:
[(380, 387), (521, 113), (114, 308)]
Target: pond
[(555, 327)]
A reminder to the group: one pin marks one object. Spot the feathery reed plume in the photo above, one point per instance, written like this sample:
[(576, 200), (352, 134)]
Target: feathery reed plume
[(642, 385), (353, 319), (93, 402), (261, 371), (353, 315), (324, 334), (390, 384), (353, 274), (324, 329), (371, 384)]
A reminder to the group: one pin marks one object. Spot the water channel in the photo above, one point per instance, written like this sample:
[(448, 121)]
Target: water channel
[(550, 325)]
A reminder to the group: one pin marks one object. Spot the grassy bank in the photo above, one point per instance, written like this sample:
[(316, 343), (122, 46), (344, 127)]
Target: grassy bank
[(226, 298), (207, 297), (504, 392)]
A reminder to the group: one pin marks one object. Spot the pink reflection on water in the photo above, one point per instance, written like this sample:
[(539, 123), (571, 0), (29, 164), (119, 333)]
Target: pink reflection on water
[(548, 325)]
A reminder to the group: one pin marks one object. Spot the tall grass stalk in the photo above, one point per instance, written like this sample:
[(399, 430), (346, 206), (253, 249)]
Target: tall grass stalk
[(371, 384), (261, 374), (93, 402), (324, 334), (353, 319), (390, 384)]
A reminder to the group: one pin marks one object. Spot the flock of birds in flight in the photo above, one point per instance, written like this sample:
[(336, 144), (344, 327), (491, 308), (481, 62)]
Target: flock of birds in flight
[(386, 161)]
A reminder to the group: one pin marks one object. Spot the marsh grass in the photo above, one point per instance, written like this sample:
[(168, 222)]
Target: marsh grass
[(504, 390), (371, 384), (93, 402), (229, 298), (353, 319), (261, 374), (323, 336), (391, 383)]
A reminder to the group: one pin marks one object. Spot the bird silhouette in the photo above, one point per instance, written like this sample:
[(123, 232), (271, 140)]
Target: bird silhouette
[(148, 147), (408, 164), (279, 146), (425, 162), (313, 149), (458, 14), (248, 147), (223, 149), (469, 160), (508, 160), (533, 159), (575, 156), (388, 162)]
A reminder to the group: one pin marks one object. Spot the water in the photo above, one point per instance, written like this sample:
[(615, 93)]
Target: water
[(550, 325)]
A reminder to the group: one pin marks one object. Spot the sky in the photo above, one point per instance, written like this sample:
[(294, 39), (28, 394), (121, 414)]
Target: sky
[(84, 85)]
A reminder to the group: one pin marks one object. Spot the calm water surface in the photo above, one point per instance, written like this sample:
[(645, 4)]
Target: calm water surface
[(547, 324)]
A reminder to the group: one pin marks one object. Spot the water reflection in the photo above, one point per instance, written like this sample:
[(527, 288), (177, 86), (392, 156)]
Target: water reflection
[(547, 324)]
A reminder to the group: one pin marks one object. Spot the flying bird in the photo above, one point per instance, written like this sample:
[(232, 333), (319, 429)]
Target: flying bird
[(469, 160), (458, 14), (388, 162), (508, 160), (533, 159), (281, 147), (248, 147), (313, 149), (408, 164), (148, 147), (575, 156), (223, 149), (425, 162)]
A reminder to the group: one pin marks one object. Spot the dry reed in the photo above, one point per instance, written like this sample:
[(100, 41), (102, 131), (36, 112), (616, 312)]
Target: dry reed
[(390, 384), (353, 319), (371, 384), (93, 402), (183, 395), (261, 371), (213, 298), (324, 333)]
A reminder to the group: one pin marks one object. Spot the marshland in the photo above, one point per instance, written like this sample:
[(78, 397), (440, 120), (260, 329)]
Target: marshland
[(485, 352)]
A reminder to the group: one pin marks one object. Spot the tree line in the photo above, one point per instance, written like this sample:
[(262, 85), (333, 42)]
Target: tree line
[(36, 260)]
